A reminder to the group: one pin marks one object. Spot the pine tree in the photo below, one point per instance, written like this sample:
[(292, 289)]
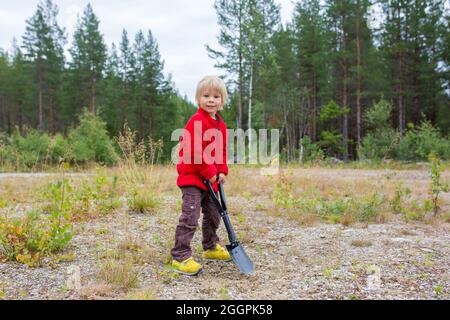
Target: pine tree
[(428, 49), (5, 91), (364, 82), (111, 88), (443, 118), (126, 69), (413, 32), (359, 14), (150, 80), (88, 58), (394, 42), (21, 95), (311, 46), (285, 110), (341, 15), (232, 16), (264, 21), (43, 43)]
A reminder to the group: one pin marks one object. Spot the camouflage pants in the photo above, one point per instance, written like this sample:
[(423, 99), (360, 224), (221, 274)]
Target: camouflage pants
[(195, 199)]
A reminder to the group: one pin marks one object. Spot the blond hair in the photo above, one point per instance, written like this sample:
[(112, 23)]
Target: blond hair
[(214, 83)]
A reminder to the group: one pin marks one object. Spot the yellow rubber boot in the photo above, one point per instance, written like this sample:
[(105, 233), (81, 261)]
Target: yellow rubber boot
[(218, 253), (188, 267)]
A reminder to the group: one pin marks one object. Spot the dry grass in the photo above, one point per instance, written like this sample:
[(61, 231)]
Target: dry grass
[(131, 249), (120, 274), (2, 291), (22, 190), (119, 267), (371, 194), (405, 232), (129, 244), (143, 199), (347, 219), (436, 221), (243, 180), (95, 291), (143, 184), (361, 243), (140, 294), (159, 178), (304, 219)]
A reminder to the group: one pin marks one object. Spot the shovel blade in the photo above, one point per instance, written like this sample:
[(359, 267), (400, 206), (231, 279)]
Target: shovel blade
[(240, 258)]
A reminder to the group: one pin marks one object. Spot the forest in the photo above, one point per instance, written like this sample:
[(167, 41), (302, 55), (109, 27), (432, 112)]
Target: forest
[(350, 80)]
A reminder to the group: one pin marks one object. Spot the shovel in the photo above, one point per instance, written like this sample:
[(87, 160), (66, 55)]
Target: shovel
[(237, 252)]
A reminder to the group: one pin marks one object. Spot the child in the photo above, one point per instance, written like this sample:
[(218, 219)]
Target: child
[(202, 157)]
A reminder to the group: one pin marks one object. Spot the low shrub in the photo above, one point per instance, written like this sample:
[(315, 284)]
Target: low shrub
[(311, 152), (89, 141), (419, 142), (87, 199), (28, 239)]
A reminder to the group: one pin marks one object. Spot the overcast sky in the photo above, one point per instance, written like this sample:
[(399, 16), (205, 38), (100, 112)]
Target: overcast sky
[(181, 27)]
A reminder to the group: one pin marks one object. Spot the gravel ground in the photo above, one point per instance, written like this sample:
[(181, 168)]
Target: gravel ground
[(394, 260)]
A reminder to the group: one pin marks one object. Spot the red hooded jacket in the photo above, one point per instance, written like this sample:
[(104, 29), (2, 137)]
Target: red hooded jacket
[(203, 152)]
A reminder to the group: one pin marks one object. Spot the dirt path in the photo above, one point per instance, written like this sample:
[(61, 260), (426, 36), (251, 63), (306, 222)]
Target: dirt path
[(394, 260), (37, 175)]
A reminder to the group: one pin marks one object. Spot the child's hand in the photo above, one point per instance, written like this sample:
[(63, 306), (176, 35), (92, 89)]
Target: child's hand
[(213, 179), (221, 177)]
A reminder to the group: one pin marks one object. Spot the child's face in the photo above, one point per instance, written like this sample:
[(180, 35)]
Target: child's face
[(210, 101)]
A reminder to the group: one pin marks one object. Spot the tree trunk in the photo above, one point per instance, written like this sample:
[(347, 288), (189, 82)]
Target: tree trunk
[(310, 117), (401, 116), (13, 117), (52, 113), (344, 92), (20, 117), (5, 115), (400, 110), (41, 122), (250, 97), (314, 108), (399, 79), (125, 108), (150, 115), (241, 75), (92, 95), (358, 84), (241, 93), (416, 114), (141, 123), (288, 141)]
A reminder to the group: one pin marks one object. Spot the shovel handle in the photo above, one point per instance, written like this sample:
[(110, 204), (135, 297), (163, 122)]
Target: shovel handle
[(222, 209), (222, 197), (213, 196)]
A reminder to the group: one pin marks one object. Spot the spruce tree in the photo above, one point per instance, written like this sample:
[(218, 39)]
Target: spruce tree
[(43, 43), (88, 58)]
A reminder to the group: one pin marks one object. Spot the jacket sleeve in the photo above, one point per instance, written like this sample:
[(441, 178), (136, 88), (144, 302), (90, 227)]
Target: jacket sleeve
[(196, 130), (223, 167)]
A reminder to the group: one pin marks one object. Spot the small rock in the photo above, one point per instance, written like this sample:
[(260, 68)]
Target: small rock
[(73, 281), (427, 250)]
